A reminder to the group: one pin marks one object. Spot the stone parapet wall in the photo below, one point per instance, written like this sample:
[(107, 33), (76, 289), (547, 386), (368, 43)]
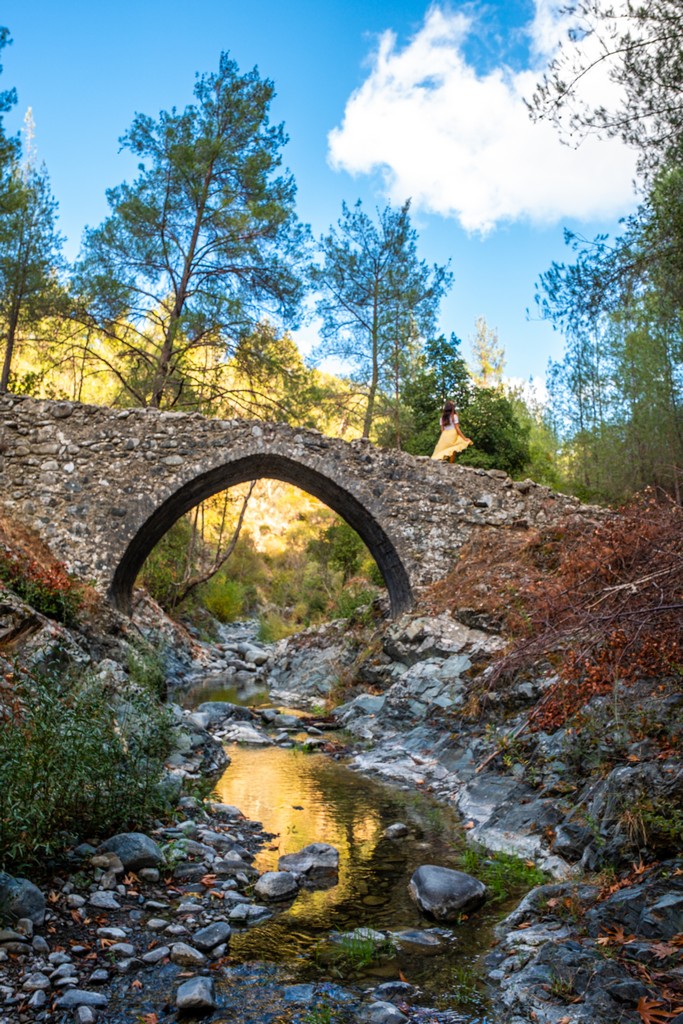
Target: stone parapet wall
[(101, 486)]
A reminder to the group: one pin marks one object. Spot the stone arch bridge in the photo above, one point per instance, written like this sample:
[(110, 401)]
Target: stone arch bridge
[(102, 486)]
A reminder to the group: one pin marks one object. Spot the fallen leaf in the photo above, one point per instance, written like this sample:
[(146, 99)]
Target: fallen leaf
[(652, 1011), (136, 983), (663, 949)]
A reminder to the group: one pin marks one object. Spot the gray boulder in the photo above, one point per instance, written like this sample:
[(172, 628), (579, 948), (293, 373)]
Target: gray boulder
[(134, 849), (215, 934), (445, 894), (384, 1013), (276, 885), (196, 995), (20, 898), (220, 711), (316, 862)]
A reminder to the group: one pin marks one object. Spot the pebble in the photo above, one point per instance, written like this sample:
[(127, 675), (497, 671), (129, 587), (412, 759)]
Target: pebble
[(38, 1000), (104, 901), (157, 924), (156, 954), (36, 981), (80, 997), (112, 933)]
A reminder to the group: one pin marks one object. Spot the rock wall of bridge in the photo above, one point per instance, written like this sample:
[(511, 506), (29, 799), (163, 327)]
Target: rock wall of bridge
[(102, 486)]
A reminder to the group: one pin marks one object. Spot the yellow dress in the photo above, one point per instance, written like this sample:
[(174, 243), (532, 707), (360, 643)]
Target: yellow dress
[(450, 443)]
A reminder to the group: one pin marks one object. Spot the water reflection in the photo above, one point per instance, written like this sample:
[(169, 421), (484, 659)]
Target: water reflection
[(307, 798)]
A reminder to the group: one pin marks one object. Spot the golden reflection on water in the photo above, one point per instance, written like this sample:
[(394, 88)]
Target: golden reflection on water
[(290, 793)]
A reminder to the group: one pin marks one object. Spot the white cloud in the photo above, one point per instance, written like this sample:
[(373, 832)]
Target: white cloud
[(461, 144)]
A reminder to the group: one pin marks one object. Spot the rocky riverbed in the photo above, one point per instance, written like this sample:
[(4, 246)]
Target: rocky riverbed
[(139, 929)]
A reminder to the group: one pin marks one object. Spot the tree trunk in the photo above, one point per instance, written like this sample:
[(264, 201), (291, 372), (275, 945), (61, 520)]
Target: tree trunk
[(9, 348), (374, 380), (167, 349)]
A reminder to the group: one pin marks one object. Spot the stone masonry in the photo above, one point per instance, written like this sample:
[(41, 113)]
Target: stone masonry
[(102, 486)]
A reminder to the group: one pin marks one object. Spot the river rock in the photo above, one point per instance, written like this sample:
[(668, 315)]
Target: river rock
[(20, 898), (134, 849), (276, 885), (445, 894), (80, 997), (396, 831), (196, 995), (384, 1013), (186, 955), (220, 711), (213, 935), (104, 901), (417, 941), (315, 862)]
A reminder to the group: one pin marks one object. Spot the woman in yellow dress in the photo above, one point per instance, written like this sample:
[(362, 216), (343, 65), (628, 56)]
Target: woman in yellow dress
[(452, 439)]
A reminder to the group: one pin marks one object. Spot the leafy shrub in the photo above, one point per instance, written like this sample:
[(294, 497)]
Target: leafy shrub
[(273, 627), (356, 594), (47, 588), (225, 598), (76, 763), (147, 668)]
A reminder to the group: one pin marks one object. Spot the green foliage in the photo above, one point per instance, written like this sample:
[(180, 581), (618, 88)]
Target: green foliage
[(501, 441), (502, 873), (48, 589), (376, 298), (8, 146), (225, 598), (617, 395), (464, 987), (163, 570), (656, 824), (340, 547), (359, 949), (321, 1014), (441, 374), (638, 46), (351, 598), (274, 627), (147, 668), (30, 260), (77, 761), (202, 246)]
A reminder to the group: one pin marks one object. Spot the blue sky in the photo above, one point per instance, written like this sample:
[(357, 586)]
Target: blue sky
[(381, 101)]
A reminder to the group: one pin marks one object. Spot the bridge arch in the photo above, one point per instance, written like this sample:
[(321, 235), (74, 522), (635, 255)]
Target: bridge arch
[(275, 466)]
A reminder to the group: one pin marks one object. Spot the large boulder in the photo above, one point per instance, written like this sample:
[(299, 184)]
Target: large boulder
[(135, 850), (445, 894), (20, 898), (219, 711), (318, 862), (276, 885), (196, 996)]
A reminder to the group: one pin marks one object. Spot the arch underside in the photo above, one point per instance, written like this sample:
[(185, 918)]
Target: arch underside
[(253, 467)]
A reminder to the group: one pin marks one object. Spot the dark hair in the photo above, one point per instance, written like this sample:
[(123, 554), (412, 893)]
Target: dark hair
[(448, 411)]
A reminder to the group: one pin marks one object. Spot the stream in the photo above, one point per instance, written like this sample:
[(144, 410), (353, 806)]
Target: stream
[(302, 798)]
